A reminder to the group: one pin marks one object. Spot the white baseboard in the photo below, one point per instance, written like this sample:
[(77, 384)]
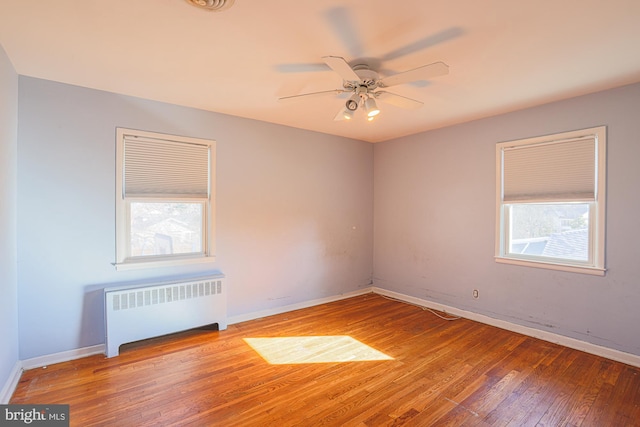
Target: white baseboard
[(292, 307), (64, 356), (618, 356), (11, 384)]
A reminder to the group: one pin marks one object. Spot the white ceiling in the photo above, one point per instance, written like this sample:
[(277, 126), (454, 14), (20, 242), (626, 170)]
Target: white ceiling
[(503, 54)]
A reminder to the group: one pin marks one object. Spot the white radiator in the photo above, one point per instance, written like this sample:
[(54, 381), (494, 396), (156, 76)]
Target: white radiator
[(140, 312)]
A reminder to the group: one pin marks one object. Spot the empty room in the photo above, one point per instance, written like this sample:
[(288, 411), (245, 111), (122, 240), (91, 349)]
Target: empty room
[(343, 213)]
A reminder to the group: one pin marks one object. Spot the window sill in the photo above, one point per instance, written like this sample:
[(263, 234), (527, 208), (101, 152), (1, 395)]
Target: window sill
[(594, 271), (140, 264)]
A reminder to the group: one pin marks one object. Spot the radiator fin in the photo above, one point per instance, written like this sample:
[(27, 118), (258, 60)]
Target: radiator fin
[(166, 294)]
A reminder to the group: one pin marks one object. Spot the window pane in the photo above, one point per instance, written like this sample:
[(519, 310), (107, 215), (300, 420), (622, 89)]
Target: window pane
[(166, 228), (550, 230)]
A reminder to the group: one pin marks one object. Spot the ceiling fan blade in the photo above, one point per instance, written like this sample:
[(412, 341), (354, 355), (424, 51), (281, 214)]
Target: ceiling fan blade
[(340, 66), (424, 43), (311, 95), (425, 72), (341, 21), (301, 67), (398, 100)]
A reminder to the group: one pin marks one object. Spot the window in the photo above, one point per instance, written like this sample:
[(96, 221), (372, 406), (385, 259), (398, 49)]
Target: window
[(164, 199), (550, 201)]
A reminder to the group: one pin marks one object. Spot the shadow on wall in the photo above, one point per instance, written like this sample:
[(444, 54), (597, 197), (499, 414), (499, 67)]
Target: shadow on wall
[(92, 323)]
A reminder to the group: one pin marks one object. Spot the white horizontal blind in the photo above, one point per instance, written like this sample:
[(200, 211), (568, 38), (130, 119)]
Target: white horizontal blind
[(562, 170), (162, 168)]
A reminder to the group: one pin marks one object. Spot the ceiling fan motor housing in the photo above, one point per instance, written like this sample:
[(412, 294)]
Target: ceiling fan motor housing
[(368, 79)]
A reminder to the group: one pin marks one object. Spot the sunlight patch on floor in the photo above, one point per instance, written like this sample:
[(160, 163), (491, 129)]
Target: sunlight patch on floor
[(317, 349)]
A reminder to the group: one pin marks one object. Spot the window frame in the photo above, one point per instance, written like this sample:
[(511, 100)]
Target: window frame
[(124, 260), (597, 208)]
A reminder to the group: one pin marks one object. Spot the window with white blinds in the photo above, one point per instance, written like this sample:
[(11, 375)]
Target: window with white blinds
[(550, 201), (164, 199), (165, 168), (562, 170)]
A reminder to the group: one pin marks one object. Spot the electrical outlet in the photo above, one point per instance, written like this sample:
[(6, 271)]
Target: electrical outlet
[(476, 294)]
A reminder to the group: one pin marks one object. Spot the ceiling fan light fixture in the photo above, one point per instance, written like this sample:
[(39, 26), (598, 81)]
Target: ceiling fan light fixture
[(347, 114), (352, 103), (371, 107)]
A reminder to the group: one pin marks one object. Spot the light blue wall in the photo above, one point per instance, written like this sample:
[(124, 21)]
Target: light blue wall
[(8, 239), (435, 223), (294, 210)]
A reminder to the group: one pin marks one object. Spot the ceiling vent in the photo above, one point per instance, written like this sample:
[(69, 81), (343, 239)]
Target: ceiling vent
[(212, 5)]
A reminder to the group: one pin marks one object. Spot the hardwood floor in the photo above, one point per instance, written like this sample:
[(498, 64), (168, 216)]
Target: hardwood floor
[(443, 373)]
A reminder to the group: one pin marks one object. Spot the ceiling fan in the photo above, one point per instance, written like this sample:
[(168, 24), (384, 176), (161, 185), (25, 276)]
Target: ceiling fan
[(365, 86)]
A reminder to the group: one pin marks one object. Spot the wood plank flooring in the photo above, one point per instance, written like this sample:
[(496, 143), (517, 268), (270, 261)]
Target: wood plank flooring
[(443, 373)]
